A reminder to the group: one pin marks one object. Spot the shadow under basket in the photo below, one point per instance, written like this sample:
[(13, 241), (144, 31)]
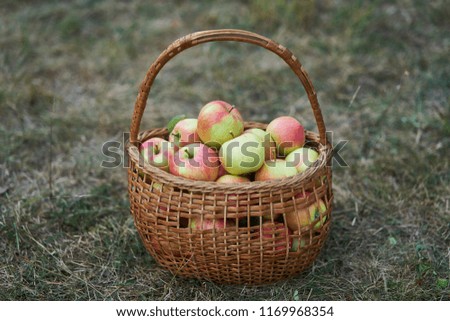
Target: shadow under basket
[(255, 245)]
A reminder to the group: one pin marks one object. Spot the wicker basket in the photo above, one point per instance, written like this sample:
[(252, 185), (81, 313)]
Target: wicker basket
[(245, 251)]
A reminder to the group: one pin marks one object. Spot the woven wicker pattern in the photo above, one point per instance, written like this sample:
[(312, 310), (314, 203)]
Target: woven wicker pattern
[(254, 247)]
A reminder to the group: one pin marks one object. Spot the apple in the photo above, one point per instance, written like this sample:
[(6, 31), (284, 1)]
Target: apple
[(274, 169), (184, 133), (298, 243), (243, 154), (270, 147), (197, 223), (261, 133), (301, 218), (322, 210), (278, 233), (156, 152), (302, 158), (222, 171), (230, 179), (219, 122), (304, 194), (287, 133), (195, 161), (305, 216), (157, 186)]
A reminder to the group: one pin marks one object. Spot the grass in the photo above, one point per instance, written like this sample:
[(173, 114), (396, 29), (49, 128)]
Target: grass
[(69, 76)]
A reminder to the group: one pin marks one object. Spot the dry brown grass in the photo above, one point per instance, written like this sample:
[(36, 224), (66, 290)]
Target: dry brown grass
[(68, 80)]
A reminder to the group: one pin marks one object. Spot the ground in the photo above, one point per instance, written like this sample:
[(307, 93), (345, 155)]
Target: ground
[(70, 71)]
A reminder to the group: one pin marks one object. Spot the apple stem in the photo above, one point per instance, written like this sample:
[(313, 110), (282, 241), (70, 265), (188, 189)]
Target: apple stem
[(232, 107), (187, 153), (231, 133), (157, 150)]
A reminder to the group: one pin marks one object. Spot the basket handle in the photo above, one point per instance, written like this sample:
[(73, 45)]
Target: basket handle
[(200, 37)]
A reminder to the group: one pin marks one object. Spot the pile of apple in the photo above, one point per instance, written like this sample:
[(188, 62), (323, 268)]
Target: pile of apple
[(215, 147)]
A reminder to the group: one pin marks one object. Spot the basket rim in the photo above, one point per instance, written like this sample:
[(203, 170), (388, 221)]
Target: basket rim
[(166, 178)]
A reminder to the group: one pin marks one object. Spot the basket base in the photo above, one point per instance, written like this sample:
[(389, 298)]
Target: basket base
[(257, 273), (253, 269)]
